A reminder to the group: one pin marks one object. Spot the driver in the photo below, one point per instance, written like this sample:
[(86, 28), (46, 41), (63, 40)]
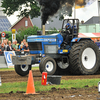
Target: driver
[(68, 32), (68, 28)]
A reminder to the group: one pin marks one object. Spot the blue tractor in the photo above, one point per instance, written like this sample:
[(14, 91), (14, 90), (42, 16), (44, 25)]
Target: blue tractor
[(61, 53)]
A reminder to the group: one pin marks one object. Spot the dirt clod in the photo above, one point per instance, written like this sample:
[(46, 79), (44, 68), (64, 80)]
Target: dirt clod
[(73, 88), (10, 92), (20, 92), (86, 86)]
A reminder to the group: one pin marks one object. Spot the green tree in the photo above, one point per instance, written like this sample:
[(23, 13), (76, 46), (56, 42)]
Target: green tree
[(9, 35), (26, 32), (25, 7), (52, 31)]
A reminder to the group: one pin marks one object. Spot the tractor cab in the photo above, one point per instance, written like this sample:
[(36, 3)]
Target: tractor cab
[(70, 28)]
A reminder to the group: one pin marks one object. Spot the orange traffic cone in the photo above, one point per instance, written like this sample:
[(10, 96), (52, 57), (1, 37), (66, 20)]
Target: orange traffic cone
[(30, 84)]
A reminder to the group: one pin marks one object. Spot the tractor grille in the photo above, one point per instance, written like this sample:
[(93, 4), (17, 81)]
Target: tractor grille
[(51, 48), (35, 46)]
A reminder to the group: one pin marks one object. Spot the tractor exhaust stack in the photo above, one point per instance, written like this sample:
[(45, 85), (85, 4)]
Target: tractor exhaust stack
[(43, 29)]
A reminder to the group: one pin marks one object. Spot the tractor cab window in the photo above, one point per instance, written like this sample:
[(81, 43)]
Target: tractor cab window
[(69, 30)]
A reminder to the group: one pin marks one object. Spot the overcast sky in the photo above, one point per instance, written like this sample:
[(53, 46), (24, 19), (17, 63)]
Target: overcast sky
[(82, 13)]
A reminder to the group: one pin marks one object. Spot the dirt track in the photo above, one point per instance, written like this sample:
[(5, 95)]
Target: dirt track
[(12, 76), (53, 94)]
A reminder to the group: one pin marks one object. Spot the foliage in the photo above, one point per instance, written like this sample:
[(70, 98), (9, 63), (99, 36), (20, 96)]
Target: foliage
[(25, 7), (52, 30), (23, 33), (21, 86), (26, 32), (61, 17), (9, 36)]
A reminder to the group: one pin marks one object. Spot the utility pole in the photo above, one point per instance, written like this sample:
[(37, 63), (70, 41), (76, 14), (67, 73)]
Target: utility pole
[(98, 2), (74, 11)]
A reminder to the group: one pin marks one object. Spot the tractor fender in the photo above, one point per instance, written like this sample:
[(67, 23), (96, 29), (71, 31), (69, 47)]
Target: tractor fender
[(79, 39)]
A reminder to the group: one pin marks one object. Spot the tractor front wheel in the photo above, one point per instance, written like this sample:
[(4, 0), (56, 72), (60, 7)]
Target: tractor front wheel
[(22, 70), (48, 65)]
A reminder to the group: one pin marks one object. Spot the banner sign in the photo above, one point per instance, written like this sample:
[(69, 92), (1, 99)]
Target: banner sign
[(8, 57)]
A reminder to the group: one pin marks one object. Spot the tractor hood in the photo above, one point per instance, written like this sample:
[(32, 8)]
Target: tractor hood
[(40, 43), (57, 37)]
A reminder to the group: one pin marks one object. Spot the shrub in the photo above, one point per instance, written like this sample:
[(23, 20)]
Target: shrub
[(52, 30), (26, 32)]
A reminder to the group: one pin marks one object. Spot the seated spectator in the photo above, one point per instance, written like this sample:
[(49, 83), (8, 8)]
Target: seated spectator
[(9, 47), (5, 44), (7, 41), (2, 48), (26, 48), (21, 48), (0, 42), (13, 44), (24, 44), (24, 40), (15, 47)]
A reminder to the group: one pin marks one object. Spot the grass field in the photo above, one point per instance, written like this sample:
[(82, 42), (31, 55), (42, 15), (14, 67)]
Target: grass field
[(12, 69), (21, 86)]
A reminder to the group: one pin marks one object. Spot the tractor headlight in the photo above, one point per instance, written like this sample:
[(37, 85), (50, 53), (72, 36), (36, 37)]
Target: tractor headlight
[(40, 54)]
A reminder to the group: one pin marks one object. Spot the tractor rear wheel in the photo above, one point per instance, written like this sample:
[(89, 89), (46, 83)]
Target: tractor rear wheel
[(62, 67), (84, 58), (22, 70), (48, 65)]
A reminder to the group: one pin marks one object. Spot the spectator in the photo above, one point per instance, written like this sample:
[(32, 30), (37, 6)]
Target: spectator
[(3, 40), (2, 48), (7, 41), (15, 47), (21, 47), (13, 44), (9, 47), (20, 44), (5, 44), (24, 44), (95, 40), (26, 48), (24, 40), (99, 39), (0, 42)]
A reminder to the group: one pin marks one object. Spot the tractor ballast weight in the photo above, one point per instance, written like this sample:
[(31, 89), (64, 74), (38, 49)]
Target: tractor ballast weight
[(57, 56)]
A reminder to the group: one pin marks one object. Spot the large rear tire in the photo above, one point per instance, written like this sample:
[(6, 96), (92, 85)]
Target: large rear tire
[(48, 65), (62, 67), (22, 70), (84, 58)]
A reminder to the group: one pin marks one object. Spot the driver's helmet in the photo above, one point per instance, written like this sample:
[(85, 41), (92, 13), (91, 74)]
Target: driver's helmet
[(68, 26)]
